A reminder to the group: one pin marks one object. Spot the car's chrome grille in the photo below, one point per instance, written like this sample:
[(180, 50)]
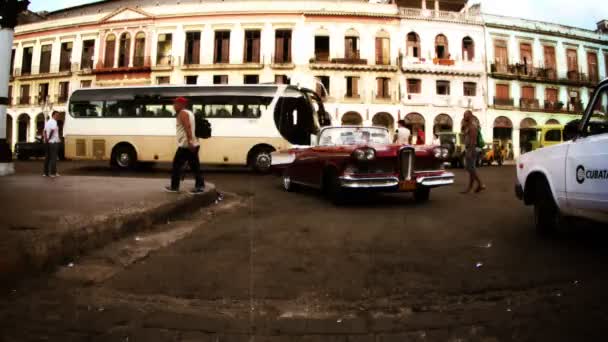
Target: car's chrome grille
[(406, 163)]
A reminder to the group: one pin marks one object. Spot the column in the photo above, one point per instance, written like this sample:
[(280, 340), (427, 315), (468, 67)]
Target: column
[(516, 149), (32, 128), (436, 6), (423, 4), (429, 122), (14, 132), (132, 47)]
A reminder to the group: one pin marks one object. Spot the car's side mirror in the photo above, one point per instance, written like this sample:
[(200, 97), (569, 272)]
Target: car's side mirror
[(571, 130)]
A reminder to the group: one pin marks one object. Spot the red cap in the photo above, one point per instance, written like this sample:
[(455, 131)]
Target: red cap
[(181, 100)]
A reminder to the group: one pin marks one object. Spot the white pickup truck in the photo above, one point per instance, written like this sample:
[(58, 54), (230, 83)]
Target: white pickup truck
[(570, 179)]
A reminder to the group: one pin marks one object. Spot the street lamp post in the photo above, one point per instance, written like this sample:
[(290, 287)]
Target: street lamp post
[(9, 10)]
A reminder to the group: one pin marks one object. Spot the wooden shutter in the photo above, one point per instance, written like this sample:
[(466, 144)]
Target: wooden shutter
[(549, 57), (288, 48), (528, 92), (592, 66), (196, 49), (348, 48), (525, 51), (355, 86), (572, 60), (225, 47), (279, 43), (502, 91), (551, 95), (110, 51), (500, 52), (256, 47), (217, 47), (378, 50)]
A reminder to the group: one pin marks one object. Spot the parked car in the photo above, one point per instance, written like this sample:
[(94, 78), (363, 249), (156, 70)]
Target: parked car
[(569, 179), (354, 158), (546, 136), (25, 150)]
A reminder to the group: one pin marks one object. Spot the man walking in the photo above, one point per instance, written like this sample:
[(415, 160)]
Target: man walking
[(402, 136), (187, 148), (470, 132), (51, 140)]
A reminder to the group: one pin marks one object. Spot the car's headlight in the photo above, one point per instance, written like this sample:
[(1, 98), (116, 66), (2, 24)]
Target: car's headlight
[(445, 153), (437, 152), (364, 154)]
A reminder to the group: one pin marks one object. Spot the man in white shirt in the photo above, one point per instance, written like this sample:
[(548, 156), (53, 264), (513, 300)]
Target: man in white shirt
[(402, 136), (52, 141)]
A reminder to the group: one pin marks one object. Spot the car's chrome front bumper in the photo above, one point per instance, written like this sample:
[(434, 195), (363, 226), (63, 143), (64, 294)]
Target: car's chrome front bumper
[(388, 183), (446, 178)]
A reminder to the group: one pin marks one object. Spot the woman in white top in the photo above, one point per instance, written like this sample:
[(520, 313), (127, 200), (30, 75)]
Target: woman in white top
[(402, 136)]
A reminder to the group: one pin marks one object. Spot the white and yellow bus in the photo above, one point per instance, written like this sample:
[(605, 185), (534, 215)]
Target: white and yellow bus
[(137, 124)]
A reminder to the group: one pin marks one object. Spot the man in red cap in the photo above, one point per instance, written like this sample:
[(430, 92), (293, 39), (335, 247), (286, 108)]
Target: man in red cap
[(187, 148)]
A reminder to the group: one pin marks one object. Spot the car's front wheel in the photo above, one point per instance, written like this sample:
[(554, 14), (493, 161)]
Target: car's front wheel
[(546, 212), (422, 195)]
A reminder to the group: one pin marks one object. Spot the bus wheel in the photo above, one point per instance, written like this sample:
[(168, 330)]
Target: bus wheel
[(260, 160), (124, 157)]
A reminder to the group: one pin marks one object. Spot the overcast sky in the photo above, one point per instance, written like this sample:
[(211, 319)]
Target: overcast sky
[(579, 13)]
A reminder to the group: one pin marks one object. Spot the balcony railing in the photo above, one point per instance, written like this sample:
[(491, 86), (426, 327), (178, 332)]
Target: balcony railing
[(320, 57), (284, 60), (418, 13), (65, 66), (62, 97), (443, 61), (503, 102), (24, 100), (139, 64), (529, 104), (86, 64), (575, 106), (41, 100), (553, 107)]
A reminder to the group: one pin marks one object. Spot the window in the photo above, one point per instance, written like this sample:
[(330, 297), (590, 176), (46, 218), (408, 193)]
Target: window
[(470, 89), (12, 61), (468, 49), (110, 51), (164, 49), (140, 50), (163, 80), (383, 84), (43, 93), (551, 95), (413, 45), (26, 61), (281, 79), (351, 46), (414, 86), (572, 60), (65, 57), (124, 50), (10, 95), (528, 92), (252, 46), (550, 62), (443, 87), (45, 58), (323, 88), (88, 53), (441, 47), (282, 46), (352, 87), (222, 47), (598, 123), (501, 55), (553, 135), (192, 79), (64, 92), (592, 66), (322, 48), (193, 48), (525, 54), (24, 98), (231, 107), (383, 50), (502, 91), (220, 79), (86, 83), (251, 79)]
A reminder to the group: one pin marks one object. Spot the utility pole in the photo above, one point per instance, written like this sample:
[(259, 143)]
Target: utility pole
[(9, 10)]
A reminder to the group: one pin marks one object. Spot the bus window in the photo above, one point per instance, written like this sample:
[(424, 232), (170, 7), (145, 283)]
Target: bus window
[(91, 109), (121, 108)]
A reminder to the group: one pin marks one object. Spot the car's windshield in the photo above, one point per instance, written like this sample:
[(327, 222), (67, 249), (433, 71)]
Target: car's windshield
[(353, 136)]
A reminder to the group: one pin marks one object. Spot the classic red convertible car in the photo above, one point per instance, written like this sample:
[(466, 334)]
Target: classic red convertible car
[(350, 158)]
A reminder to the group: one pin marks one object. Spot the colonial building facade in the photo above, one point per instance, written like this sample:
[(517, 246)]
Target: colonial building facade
[(375, 62)]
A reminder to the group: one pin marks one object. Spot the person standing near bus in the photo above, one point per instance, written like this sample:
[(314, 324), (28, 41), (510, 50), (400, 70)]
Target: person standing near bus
[(471, 133), (187, 148), (52, 140)]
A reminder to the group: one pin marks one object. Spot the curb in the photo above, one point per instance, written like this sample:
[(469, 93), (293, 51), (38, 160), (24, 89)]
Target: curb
[(34, 255)]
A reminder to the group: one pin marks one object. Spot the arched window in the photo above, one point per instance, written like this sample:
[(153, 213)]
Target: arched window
[(108, 61), (124, 50), (352, 119), (441, 47), (468, 49), (140, 50), (413, 45)]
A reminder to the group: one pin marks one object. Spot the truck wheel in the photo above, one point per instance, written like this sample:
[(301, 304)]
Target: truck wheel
[(124, 157), (422, 195), (261, 160), (546, 212)]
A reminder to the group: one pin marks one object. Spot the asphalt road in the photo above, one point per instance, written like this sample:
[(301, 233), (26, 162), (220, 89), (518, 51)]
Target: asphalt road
[(274, 265)]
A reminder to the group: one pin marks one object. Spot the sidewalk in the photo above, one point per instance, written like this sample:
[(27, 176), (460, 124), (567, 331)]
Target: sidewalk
[(46, 221)]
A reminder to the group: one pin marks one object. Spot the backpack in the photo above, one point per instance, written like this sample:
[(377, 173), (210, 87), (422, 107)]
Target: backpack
[(480, 142), (202, 127)]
